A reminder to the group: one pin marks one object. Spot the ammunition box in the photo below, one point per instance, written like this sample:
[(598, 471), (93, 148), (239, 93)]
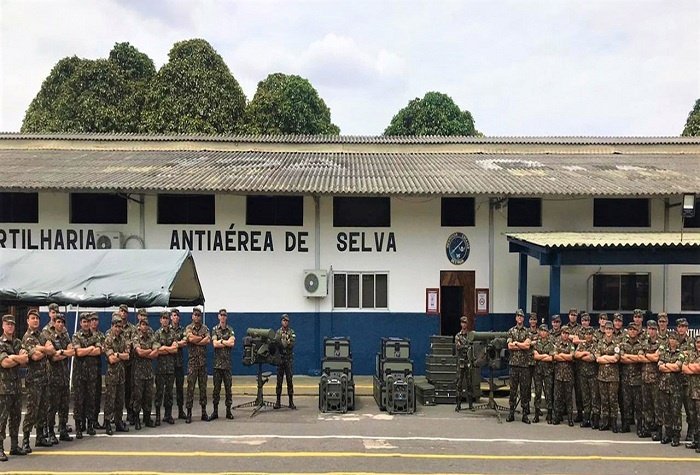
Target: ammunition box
[(395, 347), (337, 347), (425, 393), (442, 349), (442, 339), (441, 376), (441, 360), (331, 366)]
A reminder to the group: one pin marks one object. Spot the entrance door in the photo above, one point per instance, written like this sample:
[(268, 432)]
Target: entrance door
[(456, 299)]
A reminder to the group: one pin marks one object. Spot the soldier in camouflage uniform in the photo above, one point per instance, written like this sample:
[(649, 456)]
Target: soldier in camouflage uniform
[(600, 331), (588, 373), (146, 350), (463, 379), (179, 362), (555, 333), (663, 328), (83, 387), (117, 351), (638, 321), (691, 368), (533, 334), (574, 330), (685, 344), (543, 354), (165, 371), (223, 339), (650, 383), (99, 339), (36, 381), (59, 377), (631, 358), (563, 378), (12, 356), (670, 390), (520, 354), (287, 339), (197, 336), (129, 332), (607, 356)]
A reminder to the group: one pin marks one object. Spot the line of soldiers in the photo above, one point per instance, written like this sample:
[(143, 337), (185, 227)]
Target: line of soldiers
[(646, 374)]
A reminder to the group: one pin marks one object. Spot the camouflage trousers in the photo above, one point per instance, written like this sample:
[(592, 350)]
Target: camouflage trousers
[(128, 385), (10, 411), (595, 396), (690, 412), (609, 392), (164, 390), (142, 396), (632, 397), (696, 402), (180, 385), (520, 386), (98, 394), (60, 398), (586, 383), (222, 375), (285, 370), (196, 375), (464, 382), (651, 410), (83, 399), (544, 383), (114, 401), (37, 406), (563, 400), (578, 391), (671, 403)]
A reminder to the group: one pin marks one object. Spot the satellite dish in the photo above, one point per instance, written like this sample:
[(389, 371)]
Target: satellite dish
[(311, 282), (104, 242)]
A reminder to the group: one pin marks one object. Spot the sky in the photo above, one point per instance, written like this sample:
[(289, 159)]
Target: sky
[(522, 68)]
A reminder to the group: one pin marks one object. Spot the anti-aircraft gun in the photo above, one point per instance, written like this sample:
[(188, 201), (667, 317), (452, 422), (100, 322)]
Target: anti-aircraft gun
[(261, 347), (484, 349)]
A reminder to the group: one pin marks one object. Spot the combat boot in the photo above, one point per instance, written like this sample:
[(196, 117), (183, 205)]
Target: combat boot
[(121, 426), (214, 413), (613, 425), (586, 422), (676, 439), (91, 428), (525, 419), (511, 416), (205, 417), (458, 407), (666, 439), (229, 414), (691, 432), (63, 435), (52, 436), (147, 421), (549, 417), (579, 417), (181, 413), (41, 441), (15, 449), (25, 443), (278, 404), (78, 430), (291, 402), (536, 419), (108, 428), (97, 424), (691, 445), (571, 420), (188, 417), (3, 457), (157, 417), (538, 412), (137, 423), (656, 435), (604, 424), (625, 427)]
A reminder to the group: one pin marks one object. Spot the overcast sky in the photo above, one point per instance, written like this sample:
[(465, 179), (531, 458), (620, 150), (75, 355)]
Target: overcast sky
[(521, 68)]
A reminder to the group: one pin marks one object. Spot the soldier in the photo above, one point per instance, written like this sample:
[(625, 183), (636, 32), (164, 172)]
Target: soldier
[(685, 344), (59, 377), (618, 323), (53, 312), (99, 339), (618, 334), (287, 338), (36, 381), (117, 351), (670, 390), (12, 356), (600, 332), (663, 328), (631, 357), (519, 347), (607, 356), (533, 333), (638, 321), (576, 337), (544, 373), (555, 334), (146, 350), (691, 367), (83, 398), (650, 382), (223, 339), (563, 377), (129, 331), (463, 379), (197, 335), (179, 362), (588, 372), (165, 372)]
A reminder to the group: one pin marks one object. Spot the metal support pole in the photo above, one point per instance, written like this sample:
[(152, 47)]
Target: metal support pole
[(522, 282), (554, 289)]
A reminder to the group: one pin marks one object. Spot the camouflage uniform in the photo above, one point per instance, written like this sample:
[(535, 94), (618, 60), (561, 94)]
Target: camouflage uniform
[(608, 384), (575, 330), (179, 369), (533, 335), (670, 394), (36, 384), (563, 383), (10, 391), (165, 372), (83, 397), (694, 383), (197, 371), (544, 378), (587, 380), (287, 338), (463, 369), (631, 384), (685, 344), (115, 379), (142, 394), (59, 381), (222, 366), (129, 332), (519, 371), (99, 340), (650, 388)]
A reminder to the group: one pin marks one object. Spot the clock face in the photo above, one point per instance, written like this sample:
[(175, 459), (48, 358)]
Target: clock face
[(457, 248)]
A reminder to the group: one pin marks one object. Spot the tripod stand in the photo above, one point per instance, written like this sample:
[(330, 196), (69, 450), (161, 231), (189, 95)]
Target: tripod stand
[(492, 404), (259, 402)]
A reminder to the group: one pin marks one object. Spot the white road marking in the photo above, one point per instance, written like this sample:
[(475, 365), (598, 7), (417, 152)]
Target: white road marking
[(373, 444)]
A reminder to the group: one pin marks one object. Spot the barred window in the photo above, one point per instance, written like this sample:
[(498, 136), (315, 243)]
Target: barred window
[(360, 290)]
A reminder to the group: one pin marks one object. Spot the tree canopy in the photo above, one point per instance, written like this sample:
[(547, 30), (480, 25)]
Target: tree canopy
[(435, 114), (692, 125), (193, 93), (83, 95), (287, 104)]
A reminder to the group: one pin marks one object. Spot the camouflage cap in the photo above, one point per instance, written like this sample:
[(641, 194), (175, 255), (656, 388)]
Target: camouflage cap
[(223, 312), (285, 317), (544, 327), (60, 316), (116, 319), (638, 311), (533, 316), (124, 307), (463, 320), (573, 310), (662, 316), (565, 329), (652, 324), (586, 317), (617, 317), (602, 316), (681, 322), (32, 311), (608, 324), (53, 306), (94, 316), (85, 316), (556, 318), (697, 338), (175, 310), (8, 319), (196, 311), (519, 313), (673, 335), (587, 331), (632, 326), (143, 322), (164, 314), (142, 311)]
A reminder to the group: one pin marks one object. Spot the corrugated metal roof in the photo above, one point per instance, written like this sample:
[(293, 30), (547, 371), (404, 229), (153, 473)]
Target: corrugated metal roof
[(340, 173), (608, 239)]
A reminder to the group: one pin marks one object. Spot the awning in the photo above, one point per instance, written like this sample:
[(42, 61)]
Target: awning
[(99, 278)]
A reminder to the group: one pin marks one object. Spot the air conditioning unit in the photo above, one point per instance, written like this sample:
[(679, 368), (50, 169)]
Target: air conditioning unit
[(315, 283), (108, 240)]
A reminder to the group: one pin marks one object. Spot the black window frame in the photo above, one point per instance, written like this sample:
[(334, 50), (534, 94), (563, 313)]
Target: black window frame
[(347, 298), (19, 207), (361, 212), (185, 204), (522, 213), (620, 213), (457, 212), (694, 222), (98, 208), (626, 283), (690, 292), (275, 210)]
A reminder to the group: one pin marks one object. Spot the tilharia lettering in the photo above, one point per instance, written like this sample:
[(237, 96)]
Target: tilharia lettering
[(47, 239)]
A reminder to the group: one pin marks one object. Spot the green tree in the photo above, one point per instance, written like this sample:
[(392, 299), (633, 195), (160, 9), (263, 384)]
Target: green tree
[(83, 95), (287, 104), (435, 114), (692, 125), (193, 93)]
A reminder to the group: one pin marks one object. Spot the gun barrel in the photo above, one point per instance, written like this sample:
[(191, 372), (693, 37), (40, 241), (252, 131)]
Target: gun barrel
[(263, 333), (487, 336)]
